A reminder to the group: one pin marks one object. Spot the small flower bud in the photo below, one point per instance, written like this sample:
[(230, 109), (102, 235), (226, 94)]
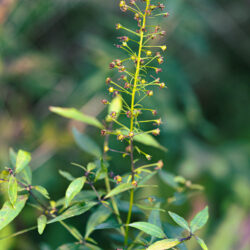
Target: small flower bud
[(160, 60), (158, 122), (152, 7), (122, 4), (137, 16), (133, 57), (111, 90), (143, 81), (159, 165), (121, 68), (166, 14), (131, 134), (118, 26), (103, 132), (154, 112), (162, 85), (156, 132), (128, 113), (149, 53), (163, 48), (134, 183), (104, 101), (108, 80), (161, 6), (118, 62), (106, 148), (132, 2), (124, 44), (148, 157), (124, 78), (118, 179), (127, 85), (111, 65), (150, 92), (113, 114), (163, 33), (128, 149), (157, 70), (120, 137)]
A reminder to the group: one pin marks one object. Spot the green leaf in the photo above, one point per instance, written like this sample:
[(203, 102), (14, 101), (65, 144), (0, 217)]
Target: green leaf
[(12, 155), (98, 217), (91, 166), (22, 160), (115, 106), (149, 228), (169, 179), (12, 189), (43, 191), (86, 143), (164, 244), (201, 243), (179, 220), (26, 175), (72, 113), (119, 189), (9, 213), (199, 220), (73, 189), (73, 211), (149, 140), (66, 175), (41, 223), (154, 217)]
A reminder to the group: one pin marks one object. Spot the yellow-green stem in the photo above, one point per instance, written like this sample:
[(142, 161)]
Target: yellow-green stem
[(137, 72)]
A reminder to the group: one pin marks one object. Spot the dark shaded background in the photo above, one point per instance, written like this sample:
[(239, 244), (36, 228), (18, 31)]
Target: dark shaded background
[(56, 52)]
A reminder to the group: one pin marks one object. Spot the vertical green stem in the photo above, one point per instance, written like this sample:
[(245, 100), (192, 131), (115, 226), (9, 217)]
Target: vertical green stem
[(137, 72)]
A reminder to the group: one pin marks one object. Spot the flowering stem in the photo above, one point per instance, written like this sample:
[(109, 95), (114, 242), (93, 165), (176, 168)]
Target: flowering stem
[(137, 72)]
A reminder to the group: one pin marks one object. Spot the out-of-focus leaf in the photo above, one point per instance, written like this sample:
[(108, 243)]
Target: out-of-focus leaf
[(12, 190), (148, 228), (77, 246), (114, 106), (73, 189), (179, 220), (66, 175), (22, 160), (119, 189), (164, 244), (4, 174), (146, 207), (154, 217), (149, 140), (199, 220), (98, 217), (72, 113), (86, 143), (91, 166), (9, 213), (26, 175), (201, 243), (169, 179), (41, 223), (73, 211), (110, 223), (12, 155), (43, 191)]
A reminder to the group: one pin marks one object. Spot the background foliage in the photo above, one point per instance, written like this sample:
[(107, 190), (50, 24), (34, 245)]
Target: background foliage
[(56, 52)]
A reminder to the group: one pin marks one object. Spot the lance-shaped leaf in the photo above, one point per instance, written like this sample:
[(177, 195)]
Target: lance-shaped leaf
[(73, 189), (148, 140), (86, 143), (41, 223), (149, 228), (115, 106), (22, 160), (98, 217), (43, 191), (66, 175), (9, 213), (201, 243), (73, 211), (164, 244), (12, 189), (179, 220), (72, 113), (119, 189), (199, 220)]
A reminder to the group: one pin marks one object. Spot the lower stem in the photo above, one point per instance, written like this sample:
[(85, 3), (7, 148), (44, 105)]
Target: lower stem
[(131, 201)]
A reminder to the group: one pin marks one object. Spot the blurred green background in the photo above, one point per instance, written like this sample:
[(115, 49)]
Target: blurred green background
[(56, 52)]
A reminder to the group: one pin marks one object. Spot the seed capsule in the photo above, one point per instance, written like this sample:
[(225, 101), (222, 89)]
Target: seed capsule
[(111, 90)]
